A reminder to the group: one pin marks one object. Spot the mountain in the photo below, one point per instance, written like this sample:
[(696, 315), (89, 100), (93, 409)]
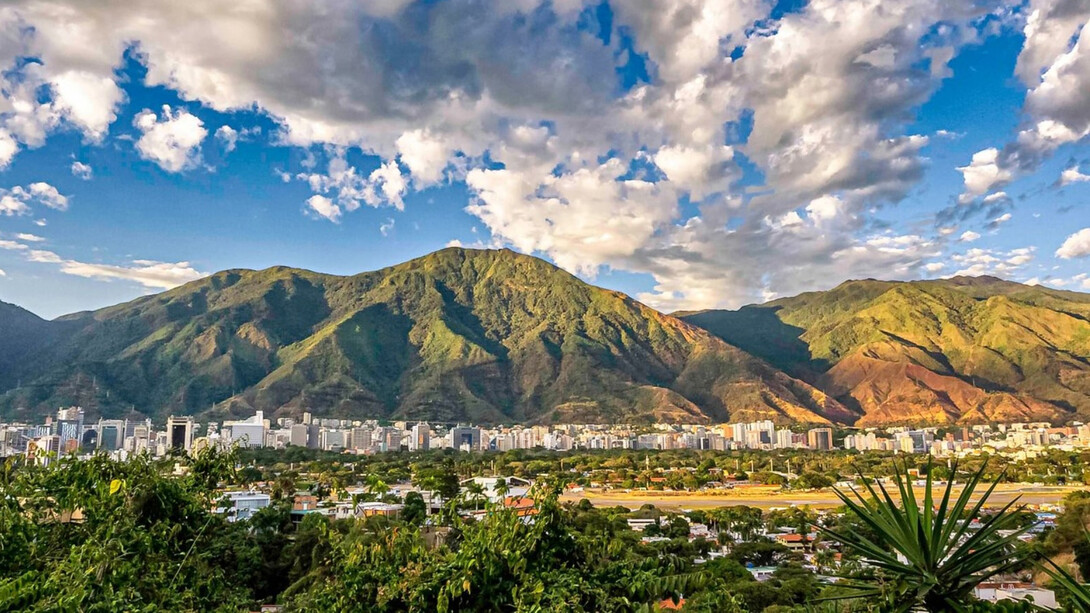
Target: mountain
[(960, 350), (458, 335), (23, 338)]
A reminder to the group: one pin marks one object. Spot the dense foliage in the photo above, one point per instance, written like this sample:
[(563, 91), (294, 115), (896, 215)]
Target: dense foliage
[(102, 535)]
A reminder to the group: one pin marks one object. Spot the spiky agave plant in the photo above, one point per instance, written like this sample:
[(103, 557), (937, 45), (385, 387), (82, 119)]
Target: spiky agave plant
[(1078, 593), (928, 555)]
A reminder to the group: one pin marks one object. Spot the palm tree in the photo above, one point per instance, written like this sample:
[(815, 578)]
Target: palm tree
[(930, 555), (475, 490), (501, 489)]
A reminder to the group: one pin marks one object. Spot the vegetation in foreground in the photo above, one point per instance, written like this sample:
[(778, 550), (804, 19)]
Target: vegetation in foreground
[(100, 535)]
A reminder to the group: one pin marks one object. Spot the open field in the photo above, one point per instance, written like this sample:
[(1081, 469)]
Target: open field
[(766, 497)]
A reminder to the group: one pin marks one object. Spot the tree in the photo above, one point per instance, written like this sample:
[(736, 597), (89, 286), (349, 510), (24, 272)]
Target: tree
[(927, 554), (103, 535), (475, 491), (414, 510)]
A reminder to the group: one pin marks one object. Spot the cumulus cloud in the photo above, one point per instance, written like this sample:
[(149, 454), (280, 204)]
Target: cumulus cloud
[(524, 104), (344, 188), (18, 200), (1072, 175), (228, 137), (968, 236), (82, 171), (983, 174), (1076, 246), (976, 262), (172, 140), (424, 155), (582, 219), (324, 207), (1055, 64)]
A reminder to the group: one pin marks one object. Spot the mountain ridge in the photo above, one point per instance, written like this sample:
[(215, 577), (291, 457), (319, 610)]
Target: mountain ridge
[(499, 337), (488, 336), (959, 350)]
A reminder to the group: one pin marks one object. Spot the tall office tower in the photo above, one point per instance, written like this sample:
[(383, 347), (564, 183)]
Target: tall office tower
[(111, 433), (465, 437), (180, 433), (248, 432), (820, 439), (361, 438), (421, 438), (298, 436), (69, 429)]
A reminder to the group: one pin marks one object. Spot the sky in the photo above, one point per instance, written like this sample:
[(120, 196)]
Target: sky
[(691, 153)]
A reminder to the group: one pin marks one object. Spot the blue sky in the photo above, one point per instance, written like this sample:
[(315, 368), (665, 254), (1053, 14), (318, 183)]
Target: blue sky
[(691, 153)]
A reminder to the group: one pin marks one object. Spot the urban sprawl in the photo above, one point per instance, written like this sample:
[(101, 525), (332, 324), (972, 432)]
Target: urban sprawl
[(70, 433)]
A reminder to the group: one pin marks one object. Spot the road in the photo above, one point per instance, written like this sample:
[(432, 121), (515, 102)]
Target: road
[(769, 497)]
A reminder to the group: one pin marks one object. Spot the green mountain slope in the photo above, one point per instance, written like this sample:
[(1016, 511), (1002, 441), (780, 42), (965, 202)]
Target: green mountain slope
[(956, 350), (486, 336), (24, 339)]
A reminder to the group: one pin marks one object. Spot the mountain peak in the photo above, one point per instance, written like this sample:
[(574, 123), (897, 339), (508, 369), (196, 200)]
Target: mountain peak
[(964, 349), (481, 335)]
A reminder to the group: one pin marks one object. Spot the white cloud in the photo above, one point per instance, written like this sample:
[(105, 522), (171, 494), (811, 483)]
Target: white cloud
[(81, 170), (968, 236), (150, 274), (228, 136), (424, 155), (984, 174), (582, 219), (386, 227), (976, 262), (172, 141), (324, 207), (8, 148), (48, 195), (1075, 246), (697, 170), (17, 200), (527, 109), (1072, 175), (998, 221), (29, 238), (385, 184), (342, 188), (2, 273), (1055, 64), (12, 205)]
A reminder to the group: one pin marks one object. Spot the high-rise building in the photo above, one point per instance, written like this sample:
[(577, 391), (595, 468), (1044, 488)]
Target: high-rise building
[(466, 438), (111, 433), (69, 429), (332, 440), (298, 436), (392, 438), (361, 438), (180, 433), (820, 439), (421, 438), (248, 432)]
